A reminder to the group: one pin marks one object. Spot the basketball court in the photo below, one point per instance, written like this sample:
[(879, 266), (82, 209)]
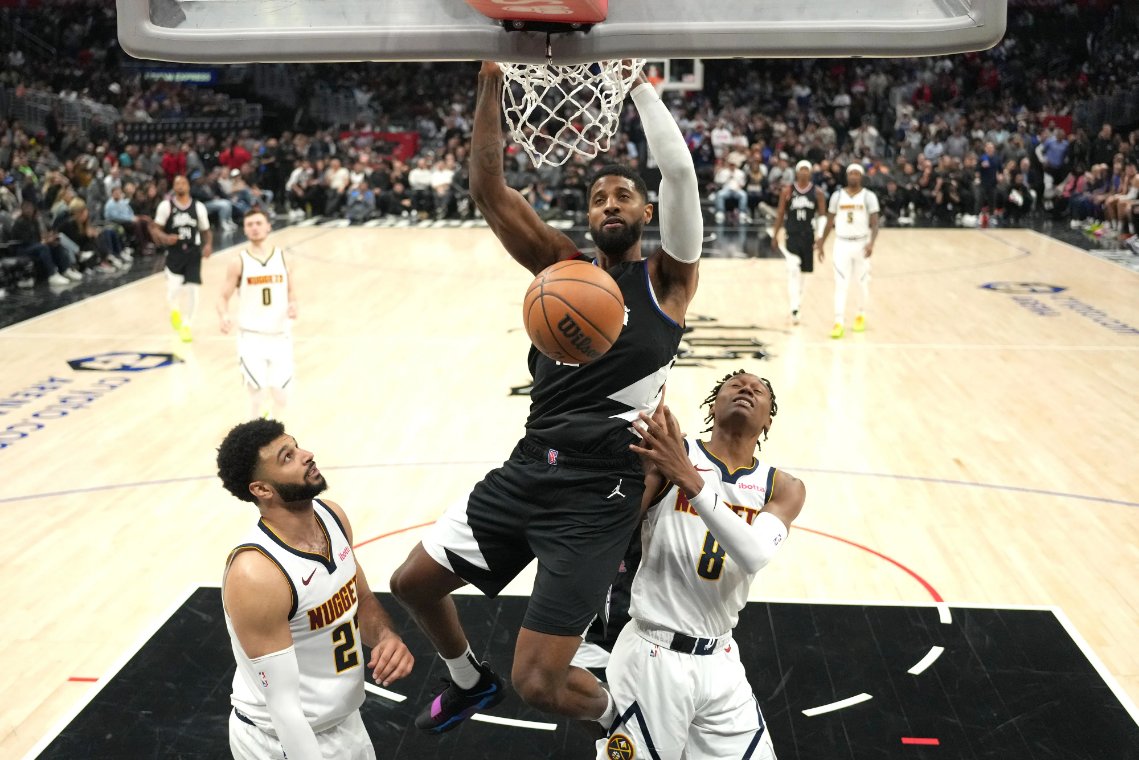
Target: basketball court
[(968, 461)]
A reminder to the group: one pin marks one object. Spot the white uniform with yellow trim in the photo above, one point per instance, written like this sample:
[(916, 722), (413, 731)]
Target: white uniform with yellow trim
[(852, 234), (264, 341), (327, 643), (674, 704)]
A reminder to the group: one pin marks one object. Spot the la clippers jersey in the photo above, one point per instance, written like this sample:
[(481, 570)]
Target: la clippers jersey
[(588, 409), (323, 624), (800, 215), (263, 293), (852, 212), (186, 222), (686, 582)]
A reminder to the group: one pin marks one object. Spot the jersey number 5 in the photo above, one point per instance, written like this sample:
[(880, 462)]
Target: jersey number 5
[(710, 566), (344, 654), (850, 217)]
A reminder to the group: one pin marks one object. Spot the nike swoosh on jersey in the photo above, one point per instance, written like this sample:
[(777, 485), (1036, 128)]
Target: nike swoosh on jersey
[(309, 578)]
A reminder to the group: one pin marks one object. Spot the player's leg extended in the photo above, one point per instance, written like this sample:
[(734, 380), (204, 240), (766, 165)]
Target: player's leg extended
[(728, 721), (862, 276), (174, 283), (794, 279), (281, 372), (842, 274), (651, 688), (254, 371)]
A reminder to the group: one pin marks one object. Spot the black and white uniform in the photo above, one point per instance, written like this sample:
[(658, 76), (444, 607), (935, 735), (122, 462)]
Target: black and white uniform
[(184, 258), (570, 493), (675, 674), (799, 221), (326, 638)]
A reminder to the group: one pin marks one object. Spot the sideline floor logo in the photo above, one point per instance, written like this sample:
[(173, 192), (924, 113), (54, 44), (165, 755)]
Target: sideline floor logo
[(1045, 300), (123, 361)]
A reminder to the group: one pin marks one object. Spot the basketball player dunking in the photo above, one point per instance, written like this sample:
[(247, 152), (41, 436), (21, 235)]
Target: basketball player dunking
[(798, 204), (182, 225), (675, 671), (267, 304), (853, 215), (297, 607), (570, 493)]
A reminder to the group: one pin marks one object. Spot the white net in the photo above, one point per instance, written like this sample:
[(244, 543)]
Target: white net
[(555, 112)]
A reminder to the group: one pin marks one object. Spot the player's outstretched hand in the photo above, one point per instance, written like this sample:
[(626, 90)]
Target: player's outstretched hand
[(490, 69), (662, 446), (391, 659)]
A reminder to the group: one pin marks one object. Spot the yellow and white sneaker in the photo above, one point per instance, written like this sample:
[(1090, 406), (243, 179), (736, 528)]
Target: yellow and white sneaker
[(184, 333), (176, 319), (860, 323), (837, 331)]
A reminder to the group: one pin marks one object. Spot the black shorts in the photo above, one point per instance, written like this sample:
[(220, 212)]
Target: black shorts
[(803, 247), (185, 262), (575, 515)]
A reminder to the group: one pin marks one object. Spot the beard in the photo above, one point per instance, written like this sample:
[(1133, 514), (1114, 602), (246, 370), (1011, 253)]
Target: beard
[(615, 242), (300, 492)]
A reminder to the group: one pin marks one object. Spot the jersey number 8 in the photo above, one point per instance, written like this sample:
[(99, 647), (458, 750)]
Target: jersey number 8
[(710, 566)]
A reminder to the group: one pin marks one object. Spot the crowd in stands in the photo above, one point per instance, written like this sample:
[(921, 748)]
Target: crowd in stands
[(991, 137)]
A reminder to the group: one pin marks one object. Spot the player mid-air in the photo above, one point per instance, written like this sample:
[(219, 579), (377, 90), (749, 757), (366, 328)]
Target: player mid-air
[(267, 305), (297, 607), (853, 215), (799, 202), (675, 671), (183, 227), (570, 492)]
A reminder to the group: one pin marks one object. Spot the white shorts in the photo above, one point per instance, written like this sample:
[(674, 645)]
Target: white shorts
[(674, 705), (347, 740), (850, 253), (266, 361)]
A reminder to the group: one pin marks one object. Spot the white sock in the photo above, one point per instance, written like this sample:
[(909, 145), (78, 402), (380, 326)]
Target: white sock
[(191, 291), (174, 290), (464, 669), (610, 714)]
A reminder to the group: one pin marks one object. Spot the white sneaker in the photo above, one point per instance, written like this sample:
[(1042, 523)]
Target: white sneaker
[(85, 255), (719, 217), (73, 274), (126, 255), (116, 262), (58, 279)]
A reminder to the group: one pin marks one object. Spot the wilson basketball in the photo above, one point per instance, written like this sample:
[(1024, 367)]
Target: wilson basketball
[(573, 311)]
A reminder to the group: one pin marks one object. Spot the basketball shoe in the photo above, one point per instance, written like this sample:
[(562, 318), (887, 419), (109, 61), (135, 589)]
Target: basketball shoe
[(176, 319), (860, 323), (454, 705), (184, 333), (837, 331)]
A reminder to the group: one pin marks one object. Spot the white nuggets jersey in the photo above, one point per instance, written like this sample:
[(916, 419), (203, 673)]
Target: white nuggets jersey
[(323, 624), (263, 293), (686, 583), (852, 212)]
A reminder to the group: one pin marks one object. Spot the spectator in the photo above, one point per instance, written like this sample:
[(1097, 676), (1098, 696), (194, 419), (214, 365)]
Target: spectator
[(106, 242), (174, 162), (730, 181), (32, 239), (117, 210)]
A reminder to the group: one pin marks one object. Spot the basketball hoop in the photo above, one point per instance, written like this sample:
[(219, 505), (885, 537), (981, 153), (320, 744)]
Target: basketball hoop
[(555, 112)]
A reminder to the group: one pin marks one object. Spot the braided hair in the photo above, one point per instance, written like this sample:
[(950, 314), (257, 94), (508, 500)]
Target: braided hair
[(710, 401)]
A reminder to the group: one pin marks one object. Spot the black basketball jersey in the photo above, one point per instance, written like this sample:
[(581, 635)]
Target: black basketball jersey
[(800, 216), (183, 222), (588, 409)]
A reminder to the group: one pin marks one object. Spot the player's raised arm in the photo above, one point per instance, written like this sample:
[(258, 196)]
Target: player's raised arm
[(391, 659), (530, 241), (678, 200), (258, 599), (751, 546)]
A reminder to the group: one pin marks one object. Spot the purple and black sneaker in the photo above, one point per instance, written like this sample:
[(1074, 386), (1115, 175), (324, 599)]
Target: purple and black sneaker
[(454, 705)]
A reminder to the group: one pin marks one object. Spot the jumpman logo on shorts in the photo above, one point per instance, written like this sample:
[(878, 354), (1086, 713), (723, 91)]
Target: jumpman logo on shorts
[(617, 489)]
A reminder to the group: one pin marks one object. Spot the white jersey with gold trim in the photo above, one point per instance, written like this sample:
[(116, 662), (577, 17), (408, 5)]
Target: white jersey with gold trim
[(686, 583), (323, 625), (263, 293), (852, 213)]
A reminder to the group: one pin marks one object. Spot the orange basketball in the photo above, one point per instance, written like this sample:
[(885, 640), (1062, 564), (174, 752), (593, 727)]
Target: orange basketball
[(573, 311)]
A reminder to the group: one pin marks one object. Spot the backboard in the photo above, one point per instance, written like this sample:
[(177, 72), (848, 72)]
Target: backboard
[(235, 31)]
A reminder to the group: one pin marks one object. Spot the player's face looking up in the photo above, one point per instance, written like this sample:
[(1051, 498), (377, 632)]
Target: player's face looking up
[(617, 214), (289, 470), (744, 399)]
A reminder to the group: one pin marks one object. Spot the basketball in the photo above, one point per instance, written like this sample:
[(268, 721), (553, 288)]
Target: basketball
[(573, 311)]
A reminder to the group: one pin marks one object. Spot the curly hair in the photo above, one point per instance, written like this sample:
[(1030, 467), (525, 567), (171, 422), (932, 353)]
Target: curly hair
[(239, 451), (710, 401)]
